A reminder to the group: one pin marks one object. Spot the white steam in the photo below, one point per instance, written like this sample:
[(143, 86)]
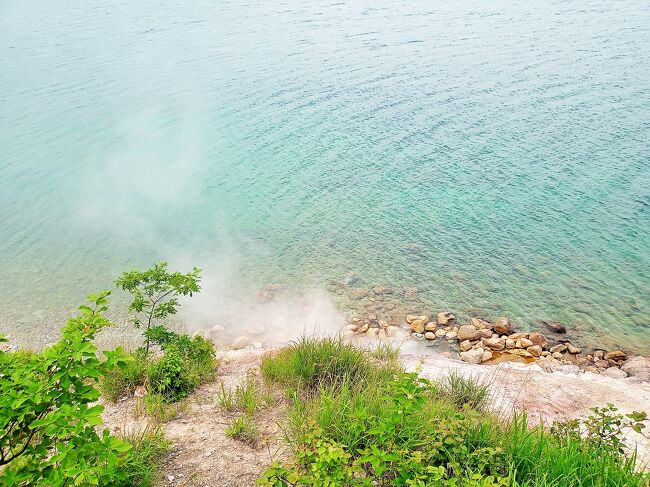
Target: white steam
[(157, 175)]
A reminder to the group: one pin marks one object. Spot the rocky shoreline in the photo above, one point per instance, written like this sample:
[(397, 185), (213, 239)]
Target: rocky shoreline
[(483, 341)]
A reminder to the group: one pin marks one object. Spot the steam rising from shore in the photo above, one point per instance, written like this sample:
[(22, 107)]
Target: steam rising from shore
[(157, 171)]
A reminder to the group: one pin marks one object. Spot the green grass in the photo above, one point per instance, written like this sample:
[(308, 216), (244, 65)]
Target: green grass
[(353, 419), (123, 382), (243, 428), (465, 391), (311, 364), (159, 410), (140, 464), (248, 396)]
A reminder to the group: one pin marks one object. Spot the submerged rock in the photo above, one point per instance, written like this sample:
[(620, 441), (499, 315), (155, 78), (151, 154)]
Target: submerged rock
[(444, 318), (554, 326), (411, 318)]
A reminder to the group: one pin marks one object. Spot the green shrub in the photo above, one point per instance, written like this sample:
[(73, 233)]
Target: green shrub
[(242, 428), (186, 363), (156, 292), (48, 415)]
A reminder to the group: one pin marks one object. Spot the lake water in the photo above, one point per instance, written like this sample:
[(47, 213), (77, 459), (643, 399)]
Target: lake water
[(489, 155)]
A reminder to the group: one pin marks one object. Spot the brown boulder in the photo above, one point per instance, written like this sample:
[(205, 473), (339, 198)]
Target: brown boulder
[(525, 343), (616, 356), (417, 326), (430, 326), (558, 348), (495, 343), (538, 339), (468, 332), (601, 364), (503, 326), (444, 318), (480, 324), (535, 350)]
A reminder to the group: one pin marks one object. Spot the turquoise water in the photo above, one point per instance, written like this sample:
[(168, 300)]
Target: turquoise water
[(491, 155)]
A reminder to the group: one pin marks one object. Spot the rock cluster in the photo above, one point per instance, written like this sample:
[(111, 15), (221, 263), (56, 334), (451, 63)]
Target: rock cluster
[(480, 340), (372, 327)]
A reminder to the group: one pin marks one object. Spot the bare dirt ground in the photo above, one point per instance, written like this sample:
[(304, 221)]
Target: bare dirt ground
[(201, 453)]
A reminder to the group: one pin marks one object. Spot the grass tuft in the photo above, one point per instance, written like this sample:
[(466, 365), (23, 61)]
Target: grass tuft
[(465, 391), (141, 462), (242, 428)]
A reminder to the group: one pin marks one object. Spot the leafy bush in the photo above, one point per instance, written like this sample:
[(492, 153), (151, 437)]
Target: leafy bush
[(186, 363), (48, 421)]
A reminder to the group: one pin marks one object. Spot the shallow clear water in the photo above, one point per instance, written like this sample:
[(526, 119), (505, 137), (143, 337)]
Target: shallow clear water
[(492, 155)]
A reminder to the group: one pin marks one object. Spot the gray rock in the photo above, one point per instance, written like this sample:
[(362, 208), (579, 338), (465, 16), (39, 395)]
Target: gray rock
[(239, 342), (637, 366), (614, 373)]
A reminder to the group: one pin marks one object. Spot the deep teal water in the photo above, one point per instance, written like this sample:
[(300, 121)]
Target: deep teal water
[(492, 155)]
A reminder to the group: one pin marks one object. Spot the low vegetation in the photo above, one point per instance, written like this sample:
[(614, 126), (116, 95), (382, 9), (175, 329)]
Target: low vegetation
[(49, 412), (243, 428), (183, 362), (140, 467), (399, 429), (49, 416)]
